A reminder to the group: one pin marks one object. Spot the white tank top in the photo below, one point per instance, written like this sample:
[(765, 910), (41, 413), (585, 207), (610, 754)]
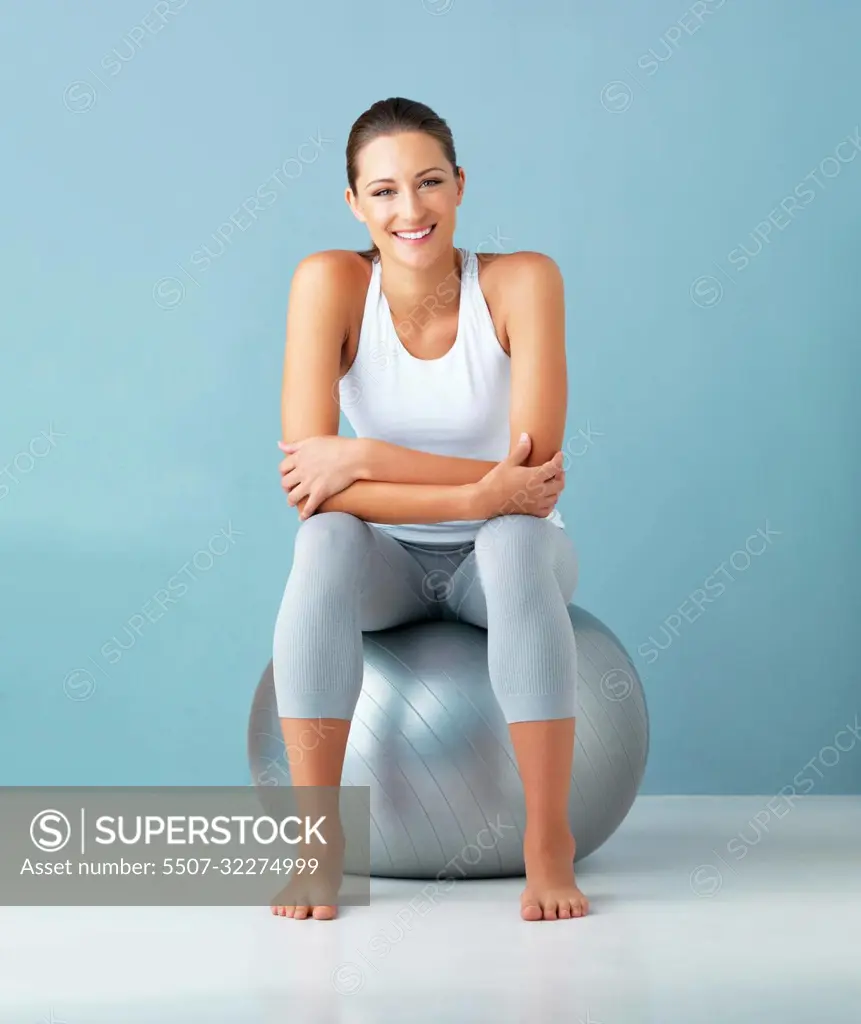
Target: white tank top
[(456, 405)]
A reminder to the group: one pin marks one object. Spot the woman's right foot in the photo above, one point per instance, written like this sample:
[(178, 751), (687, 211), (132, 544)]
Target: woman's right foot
[(323, 912), (314, 895)]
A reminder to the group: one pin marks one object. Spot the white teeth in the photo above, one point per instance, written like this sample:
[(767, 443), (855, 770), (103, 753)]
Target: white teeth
[(413, 234)]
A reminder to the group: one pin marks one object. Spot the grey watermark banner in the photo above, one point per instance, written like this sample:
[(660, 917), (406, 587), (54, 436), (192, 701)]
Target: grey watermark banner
[(184, 846)]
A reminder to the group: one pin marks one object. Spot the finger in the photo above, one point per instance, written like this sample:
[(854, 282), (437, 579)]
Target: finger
[(541, 472), (297, 494), (310, 506), (288, 446), (285, 465)]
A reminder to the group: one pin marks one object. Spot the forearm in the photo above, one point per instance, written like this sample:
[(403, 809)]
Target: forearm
[(383, 502), (392, 463)]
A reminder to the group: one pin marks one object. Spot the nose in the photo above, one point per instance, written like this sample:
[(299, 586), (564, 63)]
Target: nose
[(411, 208)]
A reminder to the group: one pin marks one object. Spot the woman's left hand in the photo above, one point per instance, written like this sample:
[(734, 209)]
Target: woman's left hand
[(316, 468)]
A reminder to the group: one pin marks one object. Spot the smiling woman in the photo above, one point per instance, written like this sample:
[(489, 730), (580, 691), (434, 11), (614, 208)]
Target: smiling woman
[(450, 367)]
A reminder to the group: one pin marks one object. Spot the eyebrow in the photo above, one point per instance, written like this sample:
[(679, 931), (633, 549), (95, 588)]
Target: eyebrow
[(378, 181)]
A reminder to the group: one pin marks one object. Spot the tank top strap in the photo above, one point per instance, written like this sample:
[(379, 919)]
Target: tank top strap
[(469, 266), (375, 283), (373, 315), (468, 286), (471, 288)]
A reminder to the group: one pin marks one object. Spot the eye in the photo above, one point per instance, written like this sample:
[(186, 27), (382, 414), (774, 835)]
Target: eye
[(433, 181)]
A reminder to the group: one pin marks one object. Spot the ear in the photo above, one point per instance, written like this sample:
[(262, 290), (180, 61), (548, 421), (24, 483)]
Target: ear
[(353, 203)]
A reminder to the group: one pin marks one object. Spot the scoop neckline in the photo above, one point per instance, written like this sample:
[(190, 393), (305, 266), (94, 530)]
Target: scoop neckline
[(457, 337)]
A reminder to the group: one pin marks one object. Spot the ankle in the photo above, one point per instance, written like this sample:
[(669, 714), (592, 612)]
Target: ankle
[(549, 839), (547, 828)]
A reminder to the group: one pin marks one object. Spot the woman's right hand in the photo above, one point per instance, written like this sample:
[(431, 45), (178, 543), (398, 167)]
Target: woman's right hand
[(511, 488)]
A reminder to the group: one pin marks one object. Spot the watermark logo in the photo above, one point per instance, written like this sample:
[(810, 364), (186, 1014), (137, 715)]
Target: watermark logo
[(79, 684), (437, 7), (617, 97), (706, 880), (617, 684), (347, 979), (50, 830), (437, 585)]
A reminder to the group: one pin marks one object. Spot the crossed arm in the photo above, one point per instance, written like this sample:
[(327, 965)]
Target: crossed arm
[(404, 485), (397, 484)]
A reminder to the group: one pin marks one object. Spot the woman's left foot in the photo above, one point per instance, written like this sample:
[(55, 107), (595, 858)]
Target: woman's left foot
[(551, 893)]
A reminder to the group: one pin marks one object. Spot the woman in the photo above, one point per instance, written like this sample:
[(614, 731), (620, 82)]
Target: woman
[(451, 370)]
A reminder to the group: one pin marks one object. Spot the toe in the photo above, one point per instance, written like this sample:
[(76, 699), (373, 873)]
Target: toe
[(323, 913), (301, 913), (550, 910), (530, 910), (565, 908)]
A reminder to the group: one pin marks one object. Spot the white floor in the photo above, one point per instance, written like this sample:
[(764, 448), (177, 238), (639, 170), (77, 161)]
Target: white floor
[(683, 929)]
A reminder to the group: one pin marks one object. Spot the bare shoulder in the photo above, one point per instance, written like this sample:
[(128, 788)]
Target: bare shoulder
[(507, 269), (333, 283), (515, 283), (331, 267)]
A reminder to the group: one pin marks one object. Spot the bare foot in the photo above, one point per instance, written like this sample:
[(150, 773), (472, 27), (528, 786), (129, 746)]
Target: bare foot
[(314, 895), (551, 892)]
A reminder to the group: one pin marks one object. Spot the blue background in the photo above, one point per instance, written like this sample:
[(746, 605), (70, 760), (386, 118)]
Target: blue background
[(636, 145)]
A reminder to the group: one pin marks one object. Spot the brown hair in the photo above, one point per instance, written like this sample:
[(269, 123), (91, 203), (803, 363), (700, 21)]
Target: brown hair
[(391, 117)]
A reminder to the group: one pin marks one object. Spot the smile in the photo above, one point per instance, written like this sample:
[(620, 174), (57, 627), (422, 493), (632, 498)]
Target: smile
[(414, 236)]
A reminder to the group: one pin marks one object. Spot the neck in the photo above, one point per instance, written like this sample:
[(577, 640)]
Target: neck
[(418, 295)]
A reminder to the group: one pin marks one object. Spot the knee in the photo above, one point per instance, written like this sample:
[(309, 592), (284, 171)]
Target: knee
[(510, 540), (331, 539)]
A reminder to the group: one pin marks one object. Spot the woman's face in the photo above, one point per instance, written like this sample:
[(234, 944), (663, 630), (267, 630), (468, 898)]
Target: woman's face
[(423, 191)]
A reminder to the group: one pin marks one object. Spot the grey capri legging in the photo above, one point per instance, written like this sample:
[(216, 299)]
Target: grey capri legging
[(514, 579)]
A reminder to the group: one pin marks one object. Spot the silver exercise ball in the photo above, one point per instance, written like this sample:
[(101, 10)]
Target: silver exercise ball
[(429, 739)]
